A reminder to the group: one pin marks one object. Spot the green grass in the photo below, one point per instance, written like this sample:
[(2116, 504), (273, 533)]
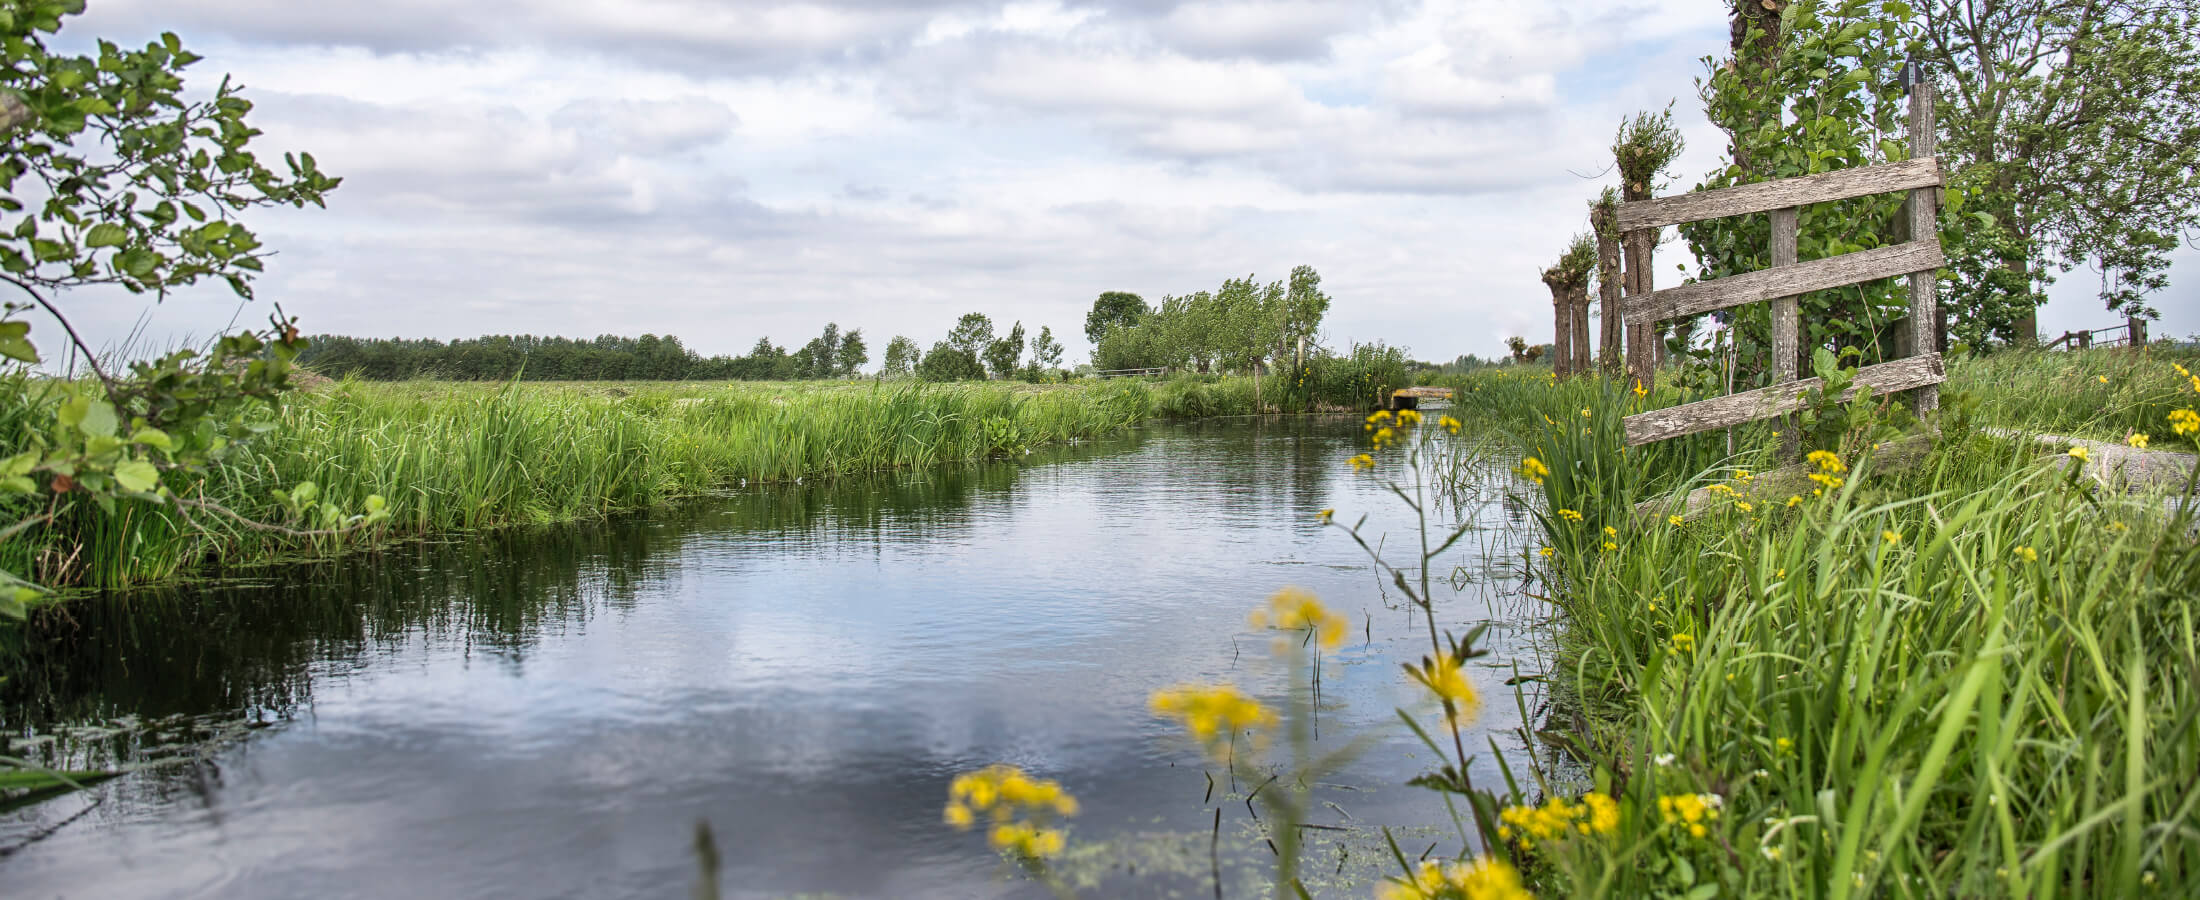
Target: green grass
[(1977, 677), (451, 456)]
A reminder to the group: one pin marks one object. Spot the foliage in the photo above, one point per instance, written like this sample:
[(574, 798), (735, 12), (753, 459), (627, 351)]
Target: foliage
[(853, 355), (529, 357), (901, 357), (1245, 326), (1046, 356), (1112, 310), (947, 362), (2069, 125), (1643, 148), (1001, 355), (972, 334), (133, 184)]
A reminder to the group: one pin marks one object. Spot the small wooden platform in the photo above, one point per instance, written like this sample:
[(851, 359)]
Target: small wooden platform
[(1410, 398)]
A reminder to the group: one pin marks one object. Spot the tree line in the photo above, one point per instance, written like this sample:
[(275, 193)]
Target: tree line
[(972, 351), (1243, 326)]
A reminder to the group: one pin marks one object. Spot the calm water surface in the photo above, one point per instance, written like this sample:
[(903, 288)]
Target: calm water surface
[(548, 713)]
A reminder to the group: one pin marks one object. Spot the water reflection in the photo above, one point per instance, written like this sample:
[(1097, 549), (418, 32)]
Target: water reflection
[(546, 712)]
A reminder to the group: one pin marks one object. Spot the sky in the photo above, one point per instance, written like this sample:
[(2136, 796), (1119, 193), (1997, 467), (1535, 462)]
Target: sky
[(725, 171)]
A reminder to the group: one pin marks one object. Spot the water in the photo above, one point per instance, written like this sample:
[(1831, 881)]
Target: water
[(549, 712)]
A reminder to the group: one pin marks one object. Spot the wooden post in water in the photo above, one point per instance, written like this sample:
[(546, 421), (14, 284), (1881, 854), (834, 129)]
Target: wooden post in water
[(1924, 226)]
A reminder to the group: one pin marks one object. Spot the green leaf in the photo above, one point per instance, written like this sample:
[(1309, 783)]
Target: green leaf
[(106, 234), (18, 484), (15, 342), (137, 475), (99, 419), (19, 464), (154, 437)]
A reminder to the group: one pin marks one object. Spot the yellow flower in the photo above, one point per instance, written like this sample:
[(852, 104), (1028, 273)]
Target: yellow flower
[(1783, 746), (1362, 463), (1409, 417), (1826, 461), (1297, 609), (1744, 506), (2028, 554), (2184, 421), (1448, 424), (1384, 436), (2077, 452), (1442, 677), (1794, 499), (2103, 378), (1641, 391), (1608, 545), (1674, 521), (1569, 515), (1547, 552), (1378, 417), (1326, 515), (1210, 713), (2136, 440), (1485, 878), (1684, 642), (1020, 807), (1742, 475), (1534, 470), (1891, 536), (1584, 412)]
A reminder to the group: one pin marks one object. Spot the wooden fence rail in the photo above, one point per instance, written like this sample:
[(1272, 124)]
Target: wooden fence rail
[(1920, 368)]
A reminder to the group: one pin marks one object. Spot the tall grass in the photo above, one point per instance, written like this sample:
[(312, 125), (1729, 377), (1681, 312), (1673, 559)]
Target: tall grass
[(2106, 393), (1976, 677), (452, 456)]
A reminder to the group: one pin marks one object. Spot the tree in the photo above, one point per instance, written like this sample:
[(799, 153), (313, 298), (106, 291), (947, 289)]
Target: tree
[(947, 362), (972, 334), (901, 357), (2070, 129), (1569, 284), (1816, 96), (1643, 149), (1001, 355), (1303, 308), (853, 355), (820, 358), (134, 183), (1113, 309), (1046, 353)]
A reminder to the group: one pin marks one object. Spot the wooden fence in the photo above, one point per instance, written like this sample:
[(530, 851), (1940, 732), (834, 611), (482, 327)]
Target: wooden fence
[(2133, 333), (1919, 368)]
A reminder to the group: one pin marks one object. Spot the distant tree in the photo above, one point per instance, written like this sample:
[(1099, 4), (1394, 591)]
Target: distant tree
[(1304, 306), (820, 358), (1001, 355), (901, 357), (1112, 310), (1046, 352), (1519, 347), (947, 362), (972, 334), (853, 355)]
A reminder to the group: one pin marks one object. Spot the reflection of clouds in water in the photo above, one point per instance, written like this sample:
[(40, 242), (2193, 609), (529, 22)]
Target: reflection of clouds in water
[(805, 666)]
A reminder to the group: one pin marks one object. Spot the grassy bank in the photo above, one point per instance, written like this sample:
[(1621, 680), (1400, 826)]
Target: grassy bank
[(452, 456), (1978, 676)]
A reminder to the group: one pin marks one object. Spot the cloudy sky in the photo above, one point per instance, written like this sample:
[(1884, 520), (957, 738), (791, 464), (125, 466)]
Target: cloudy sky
[(730, 169)]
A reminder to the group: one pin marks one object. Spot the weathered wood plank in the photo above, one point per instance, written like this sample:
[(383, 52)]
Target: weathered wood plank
[(1801, 278), (1787, 313), (1766, 196), (1779, 399), (1425, 393), (1924, 226)]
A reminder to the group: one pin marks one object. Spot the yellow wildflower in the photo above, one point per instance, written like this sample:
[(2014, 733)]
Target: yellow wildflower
[(1608, 545), (1297, 609), (1584, 412), (1378, 417), (1609, 531), (2103, 378), (1326, 515), (1020, 807), (1408, 418), (1641, 391), (1485, 878), (1690, 810), (1362, 463), (1743, 476), (1534, 470), (2184, 421), (1569, 515), (2136, 440), (1891, 536), (1547, 552), (1448, 424), (1794, 499), (2077, 452), (1684, 642), (1744, 506), (1384, 436), (2028, 554), (1210, 712), (1783, 746), (1443, 677), (1826, 461)]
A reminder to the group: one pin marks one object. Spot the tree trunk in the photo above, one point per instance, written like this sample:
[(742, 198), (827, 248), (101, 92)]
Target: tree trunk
[(1584, 356), (1608, 297), (1562, 341)]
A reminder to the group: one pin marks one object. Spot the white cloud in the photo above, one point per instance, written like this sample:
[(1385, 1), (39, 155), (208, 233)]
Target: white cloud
[(724, 171)]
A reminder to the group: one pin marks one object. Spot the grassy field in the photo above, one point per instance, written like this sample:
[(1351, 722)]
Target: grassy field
[(1977, 676)]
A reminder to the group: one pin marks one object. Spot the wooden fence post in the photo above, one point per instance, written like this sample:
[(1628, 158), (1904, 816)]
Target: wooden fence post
[(1924, 226), (2136, 329), (1608, 296), (1787, 317)]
